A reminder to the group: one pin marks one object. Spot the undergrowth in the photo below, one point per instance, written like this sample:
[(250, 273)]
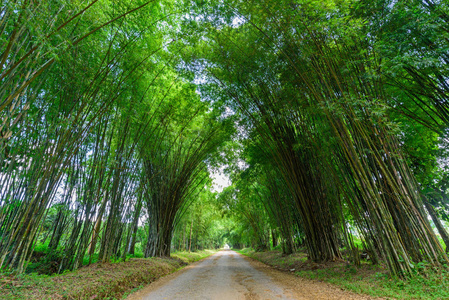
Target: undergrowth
[(367, 279), (97, 281)]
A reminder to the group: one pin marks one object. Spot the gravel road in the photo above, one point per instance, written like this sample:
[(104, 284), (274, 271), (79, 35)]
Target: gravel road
[(229, 275)]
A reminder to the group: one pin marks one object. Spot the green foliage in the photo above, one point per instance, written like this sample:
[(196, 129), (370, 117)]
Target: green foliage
[(99, 280), (329, 117), (47, 262), (370, 280)]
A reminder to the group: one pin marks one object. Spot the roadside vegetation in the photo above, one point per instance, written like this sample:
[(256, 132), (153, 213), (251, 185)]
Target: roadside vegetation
[(367, 278), (113, 280)]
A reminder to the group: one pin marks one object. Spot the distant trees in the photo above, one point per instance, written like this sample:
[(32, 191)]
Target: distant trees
[(176, 173), (201, 226)]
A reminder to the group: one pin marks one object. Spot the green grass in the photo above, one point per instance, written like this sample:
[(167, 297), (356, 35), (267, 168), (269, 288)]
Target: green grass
[(44, 262), (428, 286), (189, 257), (369, 279)]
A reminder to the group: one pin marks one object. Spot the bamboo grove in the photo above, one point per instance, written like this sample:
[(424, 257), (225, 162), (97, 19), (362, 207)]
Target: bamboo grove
[(319, 95), (98, 130), (331, 115)]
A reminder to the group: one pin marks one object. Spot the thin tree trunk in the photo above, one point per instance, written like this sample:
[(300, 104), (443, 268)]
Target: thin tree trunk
[(444, 235), (190, 239)]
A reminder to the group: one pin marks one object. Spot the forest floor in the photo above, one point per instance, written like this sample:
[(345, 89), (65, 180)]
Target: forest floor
[(97, 281), (367, 279)]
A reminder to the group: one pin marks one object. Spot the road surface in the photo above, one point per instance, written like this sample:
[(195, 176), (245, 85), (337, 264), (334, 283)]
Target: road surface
[(229, 275)]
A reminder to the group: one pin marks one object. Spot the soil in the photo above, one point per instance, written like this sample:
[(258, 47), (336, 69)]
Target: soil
[(229, 275)]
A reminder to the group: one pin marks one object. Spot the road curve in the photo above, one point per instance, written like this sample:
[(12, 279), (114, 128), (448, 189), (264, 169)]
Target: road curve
[(229, 275)]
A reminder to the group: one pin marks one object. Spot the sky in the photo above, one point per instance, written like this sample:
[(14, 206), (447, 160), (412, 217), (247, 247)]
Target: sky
[(220, 180)]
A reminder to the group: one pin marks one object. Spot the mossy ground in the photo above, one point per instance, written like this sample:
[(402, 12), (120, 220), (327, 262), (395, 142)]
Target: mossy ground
[(97, 281), (367, 279)]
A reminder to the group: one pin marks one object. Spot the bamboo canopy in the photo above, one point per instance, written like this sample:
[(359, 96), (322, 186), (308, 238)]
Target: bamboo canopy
[(330, 123)]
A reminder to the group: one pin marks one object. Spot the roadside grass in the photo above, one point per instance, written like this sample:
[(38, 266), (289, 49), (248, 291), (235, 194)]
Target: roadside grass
[(97, 281), (46, 261), (188, 257), (373, 280)]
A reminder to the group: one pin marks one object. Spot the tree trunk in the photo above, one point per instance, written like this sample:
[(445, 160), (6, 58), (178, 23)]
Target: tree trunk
[(190, 239), (135, 226), (184, 239), (437, 223), (274, 238), (158, 244), (132, 246), (96, 230)]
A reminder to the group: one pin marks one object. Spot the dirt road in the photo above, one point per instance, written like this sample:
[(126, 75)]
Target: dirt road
[(229, 275)]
